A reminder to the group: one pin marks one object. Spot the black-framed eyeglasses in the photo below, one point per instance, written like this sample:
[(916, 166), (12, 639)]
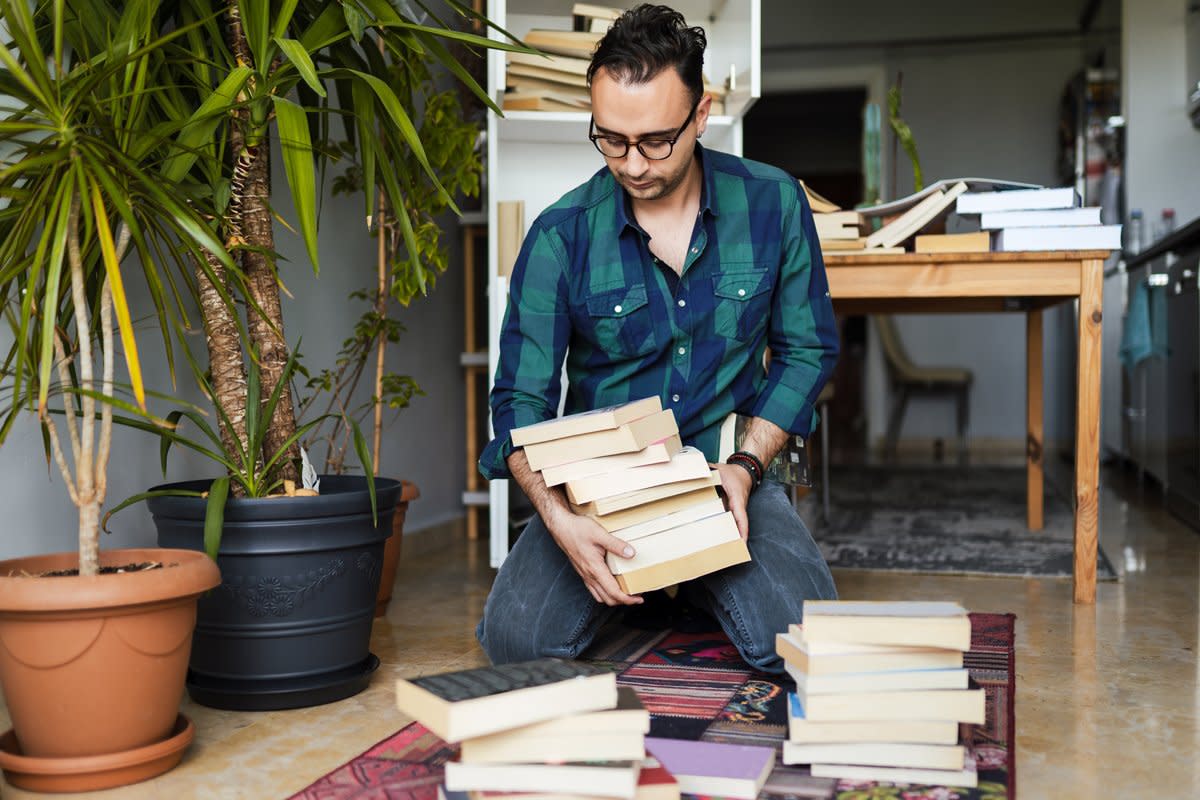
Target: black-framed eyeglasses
[(652, 149)]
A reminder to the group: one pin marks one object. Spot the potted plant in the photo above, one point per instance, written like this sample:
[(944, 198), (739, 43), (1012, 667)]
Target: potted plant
[(93, 645)]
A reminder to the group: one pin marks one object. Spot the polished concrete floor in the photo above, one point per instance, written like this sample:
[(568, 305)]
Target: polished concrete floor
[(1107, 695)]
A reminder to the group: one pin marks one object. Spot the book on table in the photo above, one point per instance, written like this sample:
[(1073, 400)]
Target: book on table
[(1075, 237), (474, 702), (1056, 217), (920, 624), (654, 453), (975, 242), (687, 464), (713, 768), (626, 438), (1018, 200), (915, 731), (836, 658), (915, 219), (898, 206)]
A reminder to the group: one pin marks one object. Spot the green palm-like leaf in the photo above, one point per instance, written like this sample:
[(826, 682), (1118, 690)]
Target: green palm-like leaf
[(214, 515), (298, 165)]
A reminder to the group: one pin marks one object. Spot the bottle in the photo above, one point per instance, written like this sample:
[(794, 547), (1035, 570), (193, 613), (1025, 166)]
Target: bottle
[(1166, 225), (1134, 233)]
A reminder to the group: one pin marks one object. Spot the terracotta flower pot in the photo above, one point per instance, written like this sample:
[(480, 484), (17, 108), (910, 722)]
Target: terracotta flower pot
[(96, 665), (391, 551)]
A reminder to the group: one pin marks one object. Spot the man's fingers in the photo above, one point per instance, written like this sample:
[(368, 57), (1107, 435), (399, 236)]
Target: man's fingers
[(616, 545), (609, 586), (737, 505)]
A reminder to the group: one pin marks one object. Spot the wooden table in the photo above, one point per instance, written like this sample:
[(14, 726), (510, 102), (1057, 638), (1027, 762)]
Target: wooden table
[(989, 282)]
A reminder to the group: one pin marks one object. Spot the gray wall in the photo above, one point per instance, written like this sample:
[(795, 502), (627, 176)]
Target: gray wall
[(976, 108)]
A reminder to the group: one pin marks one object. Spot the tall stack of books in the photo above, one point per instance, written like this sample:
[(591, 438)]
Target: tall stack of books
[(625, 467), (1039, 219), (539, 727), (881, 692)]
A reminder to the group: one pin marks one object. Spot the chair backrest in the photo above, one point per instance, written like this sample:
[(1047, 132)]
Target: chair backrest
[(898, 362)]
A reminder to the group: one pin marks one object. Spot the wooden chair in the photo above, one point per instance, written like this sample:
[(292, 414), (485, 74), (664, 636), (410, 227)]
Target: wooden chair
[(908, 379)]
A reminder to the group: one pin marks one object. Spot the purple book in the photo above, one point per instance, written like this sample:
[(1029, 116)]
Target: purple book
[(710, 768)]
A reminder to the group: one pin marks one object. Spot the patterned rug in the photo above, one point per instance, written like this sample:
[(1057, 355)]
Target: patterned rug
[(939, 519), (696, 686)]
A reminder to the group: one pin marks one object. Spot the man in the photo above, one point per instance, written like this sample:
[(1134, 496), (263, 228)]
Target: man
[(668, 273)]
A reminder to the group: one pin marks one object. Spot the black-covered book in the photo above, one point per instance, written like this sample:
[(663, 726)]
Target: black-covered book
[(474, 702)]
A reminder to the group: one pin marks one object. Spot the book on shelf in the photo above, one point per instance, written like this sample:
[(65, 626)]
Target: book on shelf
[(916, 218), (569, 65), (892, 680), (687, 464), (678, 542), (958, 705), (619, 521), (917, 731), (975, 242), (543, 101), (876, 754), (901, 204), (1018, 200), (839, 658), (710, 505), (653, 453), (579, 44), (694, 565), (790, 464), (628, 500), (526, 84), (543, 73), (602, 778), (713, 768), (629, 437), (1054, 217), (1074, 237), (474, 702), (919, 624), (592, 17), (510, 232), (966, 777), (600, 419)]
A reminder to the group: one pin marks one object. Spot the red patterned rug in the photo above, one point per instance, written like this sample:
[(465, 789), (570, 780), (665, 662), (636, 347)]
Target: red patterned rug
[(696, 686)]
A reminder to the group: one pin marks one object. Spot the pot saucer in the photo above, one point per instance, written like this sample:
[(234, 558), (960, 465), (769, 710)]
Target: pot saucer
[(86, 773)]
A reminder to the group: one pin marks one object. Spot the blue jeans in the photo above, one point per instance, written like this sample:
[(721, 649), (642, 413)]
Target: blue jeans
[(539, 606)]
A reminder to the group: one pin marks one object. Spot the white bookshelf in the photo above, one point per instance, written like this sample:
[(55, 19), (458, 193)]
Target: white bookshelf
[(538, 156)]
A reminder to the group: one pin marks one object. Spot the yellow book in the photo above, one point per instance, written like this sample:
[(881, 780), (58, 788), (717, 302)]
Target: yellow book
[(978, 242)]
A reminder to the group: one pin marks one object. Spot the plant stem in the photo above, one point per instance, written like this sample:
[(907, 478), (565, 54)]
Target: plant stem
[(381, 339)]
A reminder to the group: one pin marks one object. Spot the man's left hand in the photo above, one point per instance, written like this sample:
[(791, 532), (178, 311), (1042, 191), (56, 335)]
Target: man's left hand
[(735, 484)]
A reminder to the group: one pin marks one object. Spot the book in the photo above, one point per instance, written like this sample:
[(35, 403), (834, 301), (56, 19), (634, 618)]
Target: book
[(817, 203), (901, 204), (510, 231), (591, 17), (916, 218), (687, 464), (875, 754), (474, 702), (1075, 237), (565, 64), (917, 731), (612, 735), (958, 705), (715, 769), (966, 777), (790, 464), (896, 680), (837, 658), (529, 84), (600, 419), (839, 218), (857, 243), (1018, 200), (990, 220), (544, 101), (628, 437), (710, 506), (620, 520), (602, 778), (654, 453), (976, 242), (654, 783), (621, 502), (579, 44), (918, 624), (689, 567), (547, 74), (677, 542)]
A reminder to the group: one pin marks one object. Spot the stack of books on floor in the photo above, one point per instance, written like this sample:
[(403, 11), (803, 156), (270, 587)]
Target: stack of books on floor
[(544, 727), (625, 467), (881, 692), (558, 81), (1039, 219)]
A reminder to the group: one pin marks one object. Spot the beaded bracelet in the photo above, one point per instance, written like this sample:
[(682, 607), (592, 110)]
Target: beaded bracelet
[(762, 469), (750, 464)]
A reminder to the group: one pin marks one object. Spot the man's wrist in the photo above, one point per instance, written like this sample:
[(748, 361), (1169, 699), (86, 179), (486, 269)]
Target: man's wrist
[(751, 463)]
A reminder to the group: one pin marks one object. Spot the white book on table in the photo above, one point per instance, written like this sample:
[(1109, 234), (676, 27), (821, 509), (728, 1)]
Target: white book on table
[(1017, 200), (1054, 217), (1075, 237)]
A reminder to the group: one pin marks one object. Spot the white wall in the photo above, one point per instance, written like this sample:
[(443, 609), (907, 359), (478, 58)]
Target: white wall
[(986, 109), (1163, 147)]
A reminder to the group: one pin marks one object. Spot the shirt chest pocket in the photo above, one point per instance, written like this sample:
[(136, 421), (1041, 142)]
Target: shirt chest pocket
[(622, 321), (743, 303)]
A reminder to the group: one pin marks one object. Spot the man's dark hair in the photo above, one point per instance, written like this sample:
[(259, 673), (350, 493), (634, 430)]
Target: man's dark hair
[(646, 40)]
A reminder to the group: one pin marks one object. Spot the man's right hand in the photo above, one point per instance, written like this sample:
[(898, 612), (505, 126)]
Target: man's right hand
[(585, 543)]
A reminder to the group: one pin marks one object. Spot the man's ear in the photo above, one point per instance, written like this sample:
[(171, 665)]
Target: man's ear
[(702, 111)]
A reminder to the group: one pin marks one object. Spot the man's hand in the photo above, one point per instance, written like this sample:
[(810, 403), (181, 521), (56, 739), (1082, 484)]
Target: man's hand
[(735, 484), (585, 543)]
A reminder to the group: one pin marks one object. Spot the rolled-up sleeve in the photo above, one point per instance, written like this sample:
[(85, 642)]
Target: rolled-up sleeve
[(533, 342), (802, 333)]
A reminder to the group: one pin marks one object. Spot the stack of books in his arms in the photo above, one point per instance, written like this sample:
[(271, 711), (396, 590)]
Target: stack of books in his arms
[(881, 692), (625, 467), (1039, 219), (558, 81), (544, 728)]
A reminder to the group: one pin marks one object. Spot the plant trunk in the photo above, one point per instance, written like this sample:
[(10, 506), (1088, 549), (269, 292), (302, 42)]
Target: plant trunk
[(228, 374), (381, 299), (251, 218)]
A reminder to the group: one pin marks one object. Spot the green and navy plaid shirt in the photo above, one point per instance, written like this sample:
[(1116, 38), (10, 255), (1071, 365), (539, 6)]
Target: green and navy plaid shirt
[(586, 287)]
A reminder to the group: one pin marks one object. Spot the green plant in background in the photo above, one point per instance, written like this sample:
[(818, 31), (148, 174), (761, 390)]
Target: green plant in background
[(903, 135)]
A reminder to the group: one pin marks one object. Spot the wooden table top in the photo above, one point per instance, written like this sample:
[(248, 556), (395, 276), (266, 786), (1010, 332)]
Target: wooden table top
[(844, 259)]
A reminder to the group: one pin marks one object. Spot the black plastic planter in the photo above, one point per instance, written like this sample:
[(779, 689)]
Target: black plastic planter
[(290, 624)]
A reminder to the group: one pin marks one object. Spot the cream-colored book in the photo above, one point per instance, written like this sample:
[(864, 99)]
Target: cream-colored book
[(977, 242), (684, 569), (917, 624), (710, 506), (510, 232), (914, 731), (838, 658), (620, 520), (547, 74), (621, 502), (627, 438), (913, 220), (677, 543), (566, 64), (966, 776), (579, 44), (600, 419), (656, 453), (876, 754), (960, 705), (544, 101), (898, 680), (688, 464)]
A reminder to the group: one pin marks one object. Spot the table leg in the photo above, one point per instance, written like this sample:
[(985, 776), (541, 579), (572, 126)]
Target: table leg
[(1034, 474), (1087, 430)]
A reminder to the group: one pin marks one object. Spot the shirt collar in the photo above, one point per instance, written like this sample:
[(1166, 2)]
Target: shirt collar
[(708, 195)]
